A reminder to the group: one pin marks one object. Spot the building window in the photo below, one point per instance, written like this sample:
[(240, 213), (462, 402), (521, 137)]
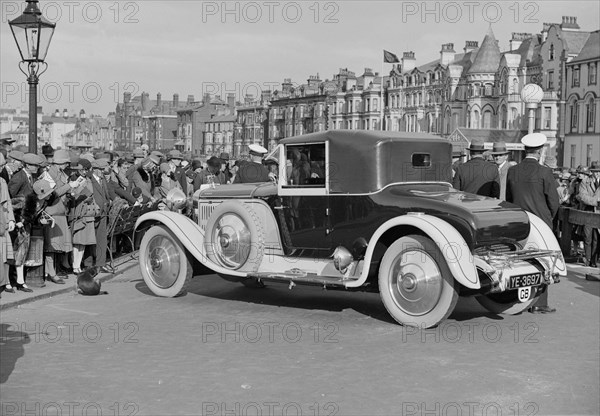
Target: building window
[(487, 119), (592, 73), (575, 76), (574, 111), (551, 53), (550, 80), (374, 103), (588, 154), (547, 117), (590, 108), (488, 90), (573, 153)]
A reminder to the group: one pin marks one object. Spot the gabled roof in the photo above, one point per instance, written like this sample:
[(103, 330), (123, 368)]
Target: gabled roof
[(488, 55), (591, 49), (574, 41)]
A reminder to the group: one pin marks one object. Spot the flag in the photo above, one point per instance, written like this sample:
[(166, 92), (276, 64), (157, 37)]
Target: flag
[(389, 57)]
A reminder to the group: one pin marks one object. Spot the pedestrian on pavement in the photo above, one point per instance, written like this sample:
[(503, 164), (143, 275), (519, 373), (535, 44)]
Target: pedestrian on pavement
[(500, 154), (100, 168), (589, 195), (7, 225), (477, 176), (533, 187), (83, 213), (58, 239)]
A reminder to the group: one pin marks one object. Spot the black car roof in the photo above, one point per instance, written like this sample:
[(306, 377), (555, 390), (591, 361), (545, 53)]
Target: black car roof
[(362, 161)]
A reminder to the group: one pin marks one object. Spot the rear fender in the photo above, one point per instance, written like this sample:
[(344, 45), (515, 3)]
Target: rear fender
[(188, 233), (453, 246), (541, 237)]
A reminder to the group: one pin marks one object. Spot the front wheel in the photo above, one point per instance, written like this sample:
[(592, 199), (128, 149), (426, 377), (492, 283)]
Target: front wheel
[(415, 283), (164, 264)]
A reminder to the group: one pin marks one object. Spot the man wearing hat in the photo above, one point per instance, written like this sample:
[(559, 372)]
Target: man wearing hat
[(101, 167), (7, 143), (21, 183), (500, 155), (477, 176), (212, 175), (48, 152), (589, 196), (7, 225), (138, 157), (533, 187), (143, 177), (253, 170), (175, 158), (225, 166), (58, 241)]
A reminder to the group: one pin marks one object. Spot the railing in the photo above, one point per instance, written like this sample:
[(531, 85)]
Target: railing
[(570, 217)]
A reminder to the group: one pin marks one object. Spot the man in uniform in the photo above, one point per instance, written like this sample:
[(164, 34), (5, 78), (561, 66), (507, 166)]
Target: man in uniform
[(533, 187), (253, 170), (477, 176)]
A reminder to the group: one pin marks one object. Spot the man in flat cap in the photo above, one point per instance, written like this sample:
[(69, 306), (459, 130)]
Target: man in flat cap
[(253, 170), (100, 168), (138, 156), (477, 176), (533, 187)]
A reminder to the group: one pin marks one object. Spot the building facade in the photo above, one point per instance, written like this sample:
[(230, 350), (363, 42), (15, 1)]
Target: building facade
[(582, 124)]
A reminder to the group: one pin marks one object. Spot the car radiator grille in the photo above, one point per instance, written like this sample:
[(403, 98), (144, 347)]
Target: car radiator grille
[(205, 210)]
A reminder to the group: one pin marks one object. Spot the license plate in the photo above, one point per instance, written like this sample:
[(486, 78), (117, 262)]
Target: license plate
[(525, 280)]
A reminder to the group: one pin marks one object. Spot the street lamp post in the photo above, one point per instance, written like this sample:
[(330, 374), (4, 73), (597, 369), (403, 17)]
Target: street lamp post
[(532, 95), (32, 33)]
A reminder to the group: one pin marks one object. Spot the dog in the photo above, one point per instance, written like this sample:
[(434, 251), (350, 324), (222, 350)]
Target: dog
[(87, 285)]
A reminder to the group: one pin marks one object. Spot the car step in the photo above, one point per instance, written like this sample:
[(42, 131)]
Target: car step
[(299, 277)]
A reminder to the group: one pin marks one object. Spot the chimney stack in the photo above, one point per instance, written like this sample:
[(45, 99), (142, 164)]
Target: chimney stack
[(470, 45), (159, 101), (408, 61), (176, 100), (447, 53)]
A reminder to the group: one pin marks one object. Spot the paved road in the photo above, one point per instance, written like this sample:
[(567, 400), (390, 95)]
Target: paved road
[(225, 349)]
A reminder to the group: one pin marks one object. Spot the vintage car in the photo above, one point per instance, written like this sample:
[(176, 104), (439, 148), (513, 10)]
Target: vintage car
[(359, 210)]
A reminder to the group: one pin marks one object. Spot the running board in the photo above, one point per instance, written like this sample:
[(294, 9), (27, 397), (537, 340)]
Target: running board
[(300, 278)]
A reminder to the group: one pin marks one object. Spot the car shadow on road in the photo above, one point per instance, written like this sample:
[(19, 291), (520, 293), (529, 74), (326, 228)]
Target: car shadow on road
[(312, 298), (12, 348)]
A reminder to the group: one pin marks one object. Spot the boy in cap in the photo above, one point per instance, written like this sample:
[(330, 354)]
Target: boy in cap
[(533, 187), (253, 171)]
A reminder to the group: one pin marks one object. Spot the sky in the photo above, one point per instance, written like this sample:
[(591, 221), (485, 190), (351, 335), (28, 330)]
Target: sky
[(105, 47)]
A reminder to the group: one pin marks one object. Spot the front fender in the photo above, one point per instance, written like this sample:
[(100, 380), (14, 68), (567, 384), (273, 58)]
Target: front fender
[(188, 233), (453, 246)]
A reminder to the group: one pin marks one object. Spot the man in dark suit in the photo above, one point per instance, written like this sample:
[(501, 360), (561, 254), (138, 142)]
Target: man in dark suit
[(102, 199), (253, 170), (533, 187), (477, 176)]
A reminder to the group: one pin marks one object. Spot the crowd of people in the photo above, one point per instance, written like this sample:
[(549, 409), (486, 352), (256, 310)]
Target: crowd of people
[(57, 207)]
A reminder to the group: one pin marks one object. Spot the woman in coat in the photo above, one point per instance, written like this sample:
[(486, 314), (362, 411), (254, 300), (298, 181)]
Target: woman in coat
[(83, 213), (7, 224)]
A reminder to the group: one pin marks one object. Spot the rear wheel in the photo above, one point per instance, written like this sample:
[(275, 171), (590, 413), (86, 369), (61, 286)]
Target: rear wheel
[(415, 283), (164, 264), (506, 302)]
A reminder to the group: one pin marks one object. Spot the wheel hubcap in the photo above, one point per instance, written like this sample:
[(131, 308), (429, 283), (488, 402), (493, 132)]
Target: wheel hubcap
[(164, 261), (233, 243), (416, 282)]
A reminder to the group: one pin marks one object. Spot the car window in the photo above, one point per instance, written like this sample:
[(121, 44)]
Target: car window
[(305, 167)]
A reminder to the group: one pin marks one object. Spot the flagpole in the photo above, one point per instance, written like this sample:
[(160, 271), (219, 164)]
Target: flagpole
[(381, 93)]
